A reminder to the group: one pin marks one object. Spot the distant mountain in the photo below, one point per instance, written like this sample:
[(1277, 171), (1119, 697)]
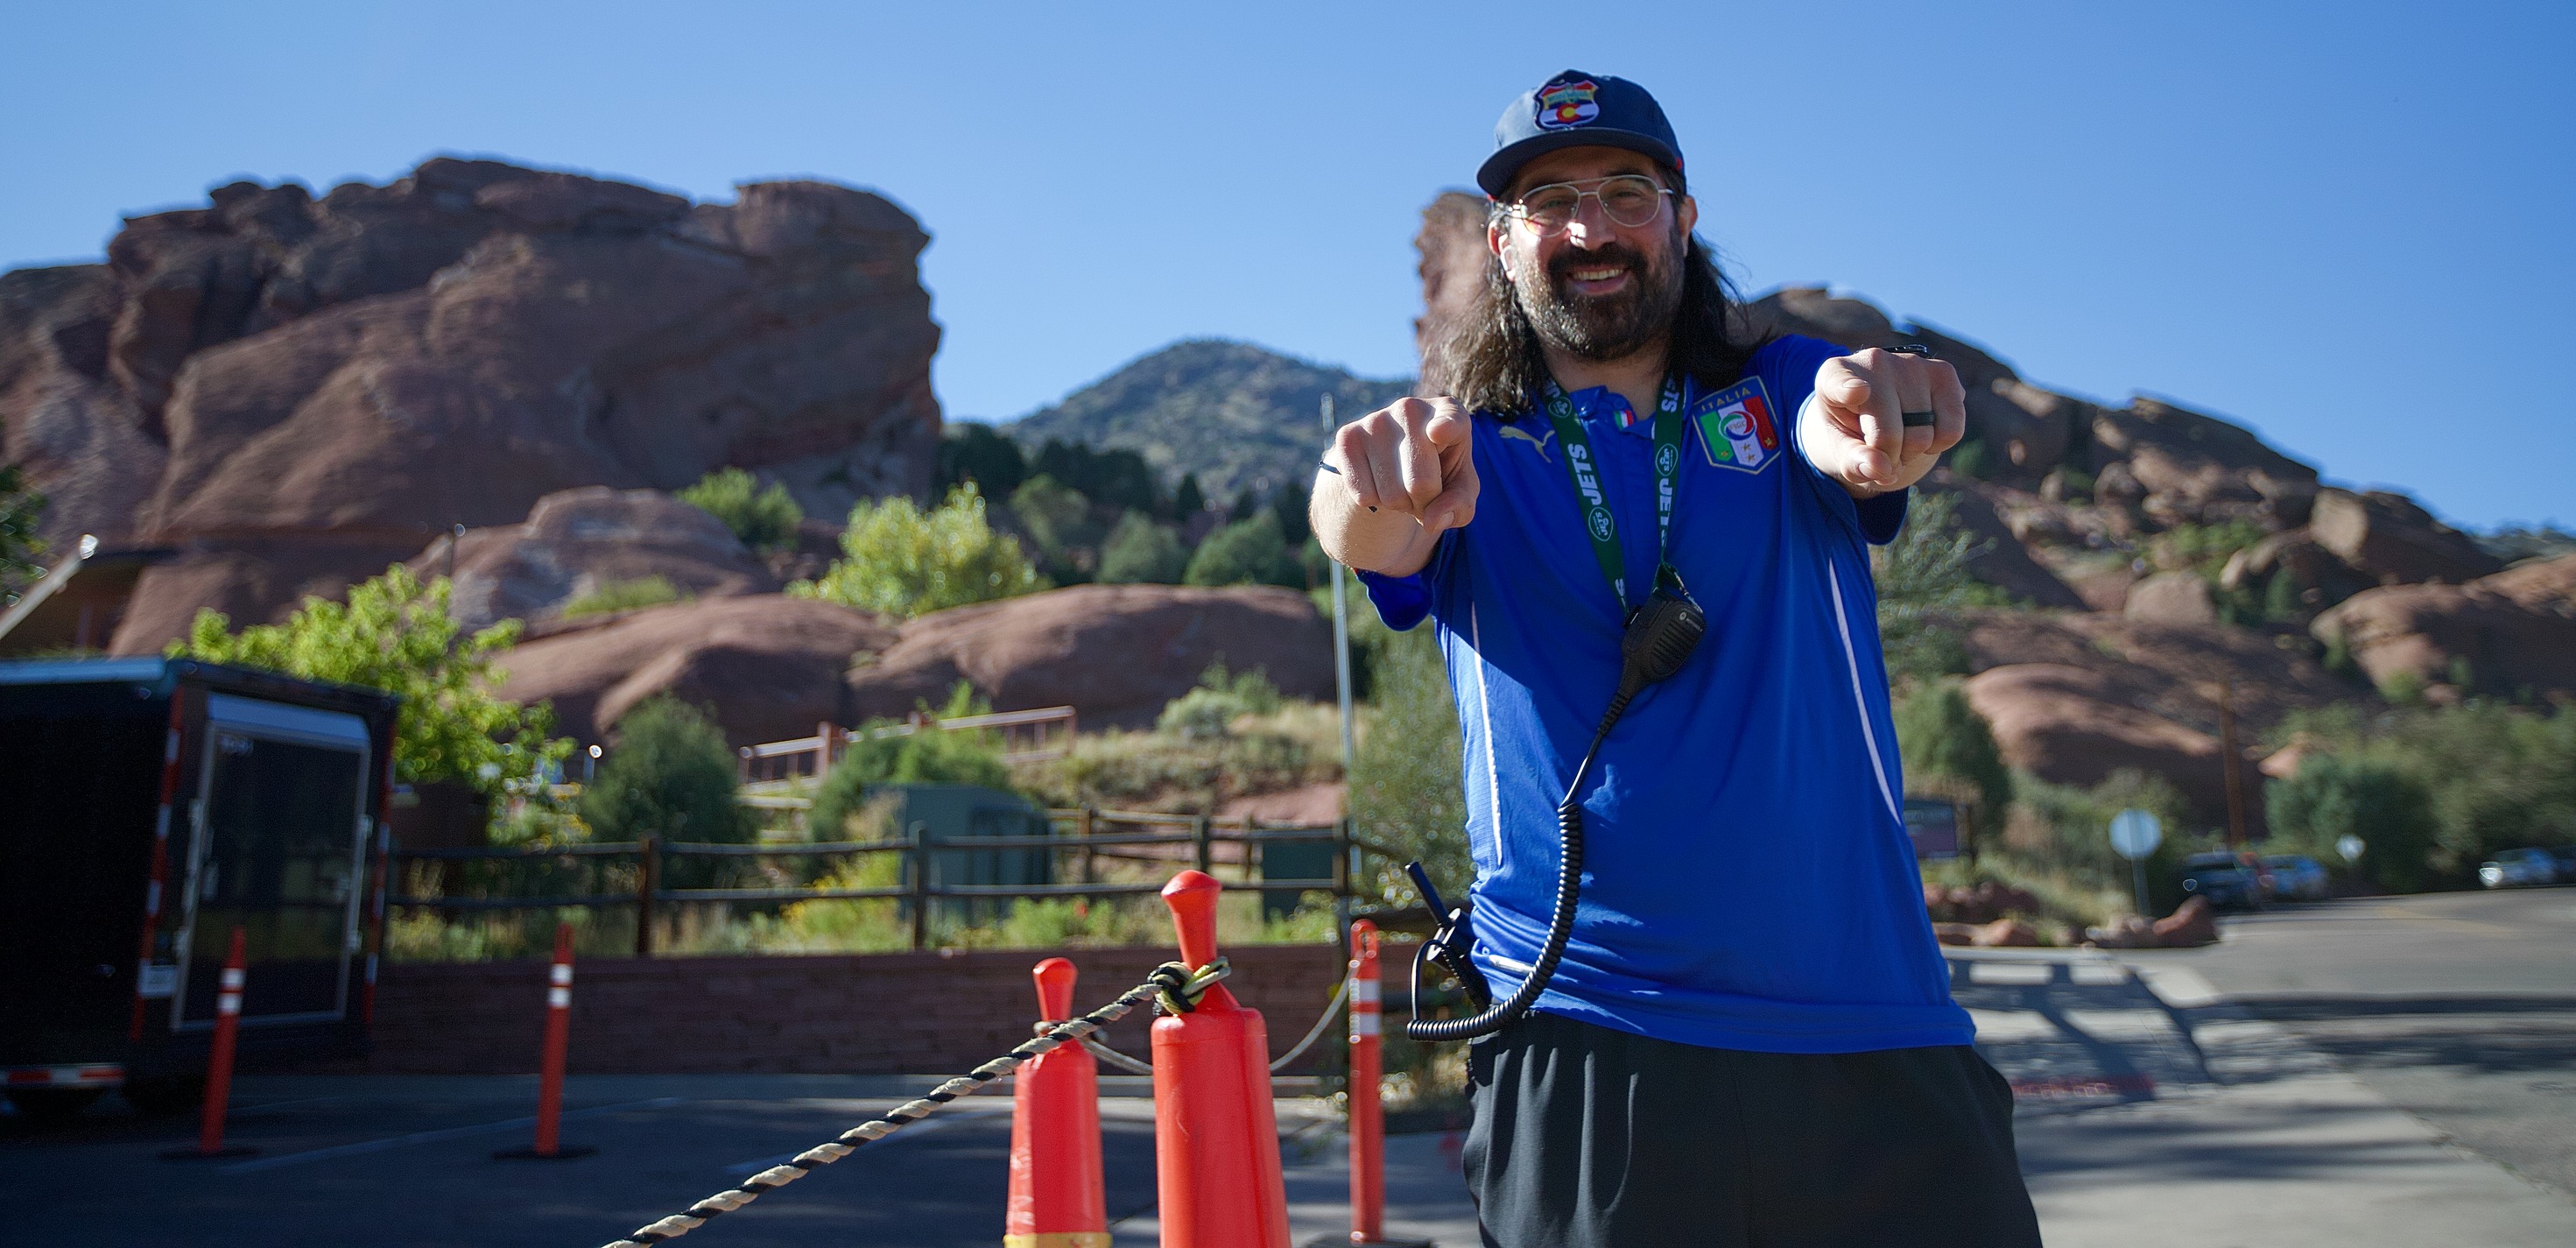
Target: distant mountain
[(1237, 415)]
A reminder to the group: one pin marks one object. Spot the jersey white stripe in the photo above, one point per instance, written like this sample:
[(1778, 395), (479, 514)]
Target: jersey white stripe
[(1868, 735), (1485, 711)]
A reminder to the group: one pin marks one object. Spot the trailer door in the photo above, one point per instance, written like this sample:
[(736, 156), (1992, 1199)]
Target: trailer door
[(277, 847)]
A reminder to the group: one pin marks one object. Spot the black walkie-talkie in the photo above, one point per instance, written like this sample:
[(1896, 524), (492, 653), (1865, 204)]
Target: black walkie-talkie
[(1453, 945)]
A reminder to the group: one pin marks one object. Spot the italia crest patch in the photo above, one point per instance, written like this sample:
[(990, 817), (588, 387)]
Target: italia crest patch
[(1738, 428), (1564, 105)]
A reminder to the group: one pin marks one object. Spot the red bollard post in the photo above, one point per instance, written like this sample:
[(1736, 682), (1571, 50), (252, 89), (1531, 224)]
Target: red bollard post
[(1368, 1122), (550, 1077), (219, 1062), (1058, 1197), (1216, 1133)]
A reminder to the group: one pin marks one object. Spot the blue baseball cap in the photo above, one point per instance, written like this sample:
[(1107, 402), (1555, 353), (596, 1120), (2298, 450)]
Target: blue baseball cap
[(1576, 109)]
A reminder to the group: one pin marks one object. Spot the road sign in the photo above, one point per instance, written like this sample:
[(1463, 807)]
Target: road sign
[(2349, 846), (2135, 833)]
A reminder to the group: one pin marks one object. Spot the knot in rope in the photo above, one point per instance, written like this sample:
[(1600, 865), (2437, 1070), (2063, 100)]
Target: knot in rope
[(1182, 987)]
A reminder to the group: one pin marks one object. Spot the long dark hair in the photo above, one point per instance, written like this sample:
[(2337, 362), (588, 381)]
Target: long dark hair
[(1490, 359)]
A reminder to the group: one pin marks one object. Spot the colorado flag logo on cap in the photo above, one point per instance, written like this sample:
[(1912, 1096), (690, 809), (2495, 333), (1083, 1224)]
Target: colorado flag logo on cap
[(1567, 103), (1737, 429)]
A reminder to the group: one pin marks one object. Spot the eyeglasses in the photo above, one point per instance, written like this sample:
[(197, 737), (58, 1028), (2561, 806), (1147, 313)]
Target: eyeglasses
[(1628, 199)]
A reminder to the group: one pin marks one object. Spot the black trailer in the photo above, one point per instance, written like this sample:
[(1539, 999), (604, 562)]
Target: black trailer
[(149, 806)]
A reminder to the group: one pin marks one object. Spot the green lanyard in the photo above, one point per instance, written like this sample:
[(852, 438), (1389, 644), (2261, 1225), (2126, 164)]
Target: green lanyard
[(1585, 469)]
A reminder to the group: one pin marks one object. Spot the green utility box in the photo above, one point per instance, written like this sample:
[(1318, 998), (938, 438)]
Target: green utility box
[(1294, 860), (957, 812)]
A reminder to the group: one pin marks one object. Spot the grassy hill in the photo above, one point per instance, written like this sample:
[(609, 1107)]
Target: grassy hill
[(1237, 415)]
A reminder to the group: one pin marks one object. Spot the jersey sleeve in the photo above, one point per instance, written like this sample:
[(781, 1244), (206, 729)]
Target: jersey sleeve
[(1788, 367), (1404, 601)]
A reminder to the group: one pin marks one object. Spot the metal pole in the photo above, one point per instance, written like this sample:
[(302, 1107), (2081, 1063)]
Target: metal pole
[(2227, 758), (1341, 636), (2138, 866)]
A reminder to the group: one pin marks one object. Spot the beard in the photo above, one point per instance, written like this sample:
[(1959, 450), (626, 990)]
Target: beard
[(1603, 327)]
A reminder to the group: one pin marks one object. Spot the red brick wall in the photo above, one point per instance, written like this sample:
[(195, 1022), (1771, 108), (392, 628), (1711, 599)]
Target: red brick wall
[(903, 1013)]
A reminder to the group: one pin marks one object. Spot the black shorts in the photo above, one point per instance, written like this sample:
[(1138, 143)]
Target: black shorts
[(1586, 1137)]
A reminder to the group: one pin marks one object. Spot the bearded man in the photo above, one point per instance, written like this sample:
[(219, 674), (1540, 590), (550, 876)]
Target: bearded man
[(1749, 1038)]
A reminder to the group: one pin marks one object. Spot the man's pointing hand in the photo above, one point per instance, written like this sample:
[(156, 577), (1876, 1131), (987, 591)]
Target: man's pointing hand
[(1856, 431), (1411, 456)]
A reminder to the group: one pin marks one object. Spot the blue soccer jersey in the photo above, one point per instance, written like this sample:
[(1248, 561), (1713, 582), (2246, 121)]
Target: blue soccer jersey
[(1748, 882)]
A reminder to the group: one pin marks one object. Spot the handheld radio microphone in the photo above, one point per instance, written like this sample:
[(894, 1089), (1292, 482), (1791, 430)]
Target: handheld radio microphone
[(1660, 636)]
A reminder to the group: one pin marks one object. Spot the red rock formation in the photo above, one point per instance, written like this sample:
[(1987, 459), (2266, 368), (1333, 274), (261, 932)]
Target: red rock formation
[(2508, 633), (302, 391), (1115, 652), (766, 667), (579, 541)]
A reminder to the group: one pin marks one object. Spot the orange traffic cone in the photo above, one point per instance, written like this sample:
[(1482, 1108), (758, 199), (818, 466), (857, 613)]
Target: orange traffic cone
[(1216, 1134), (1057, 1200)]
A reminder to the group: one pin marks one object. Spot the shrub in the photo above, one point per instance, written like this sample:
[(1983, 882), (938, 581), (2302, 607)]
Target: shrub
[(2204, 548), (669, 774), (396, 634), (625, 596), (2065, 831), (1972, 458), (924, 756), (1141, 552), (903, 561), (1247, 552), (1209, 711), (1942, 737), (2335, 796), (763, 519)]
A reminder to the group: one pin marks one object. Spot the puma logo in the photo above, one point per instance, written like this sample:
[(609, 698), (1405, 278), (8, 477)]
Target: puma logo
[(1515, 431)]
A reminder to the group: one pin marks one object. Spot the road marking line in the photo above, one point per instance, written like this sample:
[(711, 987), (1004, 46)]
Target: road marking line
[(2471, 924), (432, 1137)]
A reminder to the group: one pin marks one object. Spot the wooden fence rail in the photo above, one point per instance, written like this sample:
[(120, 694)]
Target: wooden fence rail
[(1084, 838)]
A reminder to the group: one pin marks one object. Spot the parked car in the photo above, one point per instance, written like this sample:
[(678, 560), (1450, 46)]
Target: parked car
[(2297, 877), (2513, 867), (2228, 882), (2565, 856)]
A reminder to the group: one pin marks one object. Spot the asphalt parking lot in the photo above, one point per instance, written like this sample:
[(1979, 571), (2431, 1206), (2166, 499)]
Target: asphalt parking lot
[(407, 1161)]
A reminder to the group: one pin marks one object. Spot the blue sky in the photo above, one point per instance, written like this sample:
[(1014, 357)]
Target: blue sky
[(2346, 225)]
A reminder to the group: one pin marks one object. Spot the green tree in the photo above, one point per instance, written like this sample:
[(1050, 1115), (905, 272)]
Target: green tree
[(1289, 505), (877, 757), (2335, 795), (669, 775), (1406, 786), (1924, 583), (395, 634), (1113, 478), (1943, 737), (980, 454), (1139, 551), (763, 519), (1058, 518), (1250, 552), (19, 545), (903, 561), (1188, 499)]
